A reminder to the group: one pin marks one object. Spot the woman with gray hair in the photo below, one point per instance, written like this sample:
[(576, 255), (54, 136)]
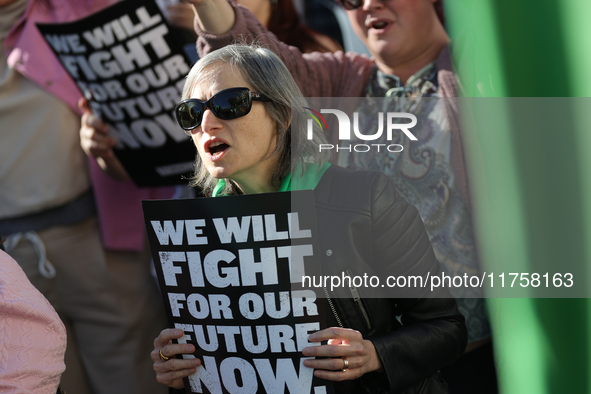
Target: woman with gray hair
[(240, 106), (267, 75)]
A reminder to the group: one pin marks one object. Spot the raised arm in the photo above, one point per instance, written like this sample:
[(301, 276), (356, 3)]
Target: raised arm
[(223, 22), (213, 16)]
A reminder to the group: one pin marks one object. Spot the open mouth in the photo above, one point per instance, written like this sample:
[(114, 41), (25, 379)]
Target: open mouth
[(378, 24), (215, 149)]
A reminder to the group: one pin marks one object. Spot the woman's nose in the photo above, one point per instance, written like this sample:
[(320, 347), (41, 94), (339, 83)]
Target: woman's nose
[(372, 4), (210, 122)]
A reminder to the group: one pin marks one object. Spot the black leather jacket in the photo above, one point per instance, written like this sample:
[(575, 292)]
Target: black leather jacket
[(365, 227)]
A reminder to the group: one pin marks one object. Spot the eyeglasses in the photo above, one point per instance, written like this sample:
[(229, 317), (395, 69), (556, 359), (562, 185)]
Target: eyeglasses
[(355, 4), (226, 104), (351, 4)]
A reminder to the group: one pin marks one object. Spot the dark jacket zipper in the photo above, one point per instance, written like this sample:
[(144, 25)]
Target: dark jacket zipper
[(358, 302), (332, 307)]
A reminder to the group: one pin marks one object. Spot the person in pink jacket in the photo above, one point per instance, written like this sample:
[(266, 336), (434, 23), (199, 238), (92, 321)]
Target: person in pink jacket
[(32, 336), (94, 272)]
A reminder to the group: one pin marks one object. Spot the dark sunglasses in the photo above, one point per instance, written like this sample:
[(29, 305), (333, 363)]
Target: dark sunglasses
[(351, 4), (226, 104)]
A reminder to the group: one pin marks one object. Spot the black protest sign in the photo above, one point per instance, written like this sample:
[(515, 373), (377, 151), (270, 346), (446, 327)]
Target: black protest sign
[(127, 61), (230, 271)]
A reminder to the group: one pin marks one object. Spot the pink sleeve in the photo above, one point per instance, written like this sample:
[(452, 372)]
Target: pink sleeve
[(28, 53), (32, 336)]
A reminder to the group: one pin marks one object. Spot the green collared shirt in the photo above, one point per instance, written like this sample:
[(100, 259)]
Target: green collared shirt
[(307, 181)]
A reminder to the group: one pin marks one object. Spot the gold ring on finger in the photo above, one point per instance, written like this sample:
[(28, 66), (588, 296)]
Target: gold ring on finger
[(346, 366), (162, 356)]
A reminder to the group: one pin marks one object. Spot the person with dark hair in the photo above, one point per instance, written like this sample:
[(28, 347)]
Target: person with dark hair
[(410, 67), (252, 146)]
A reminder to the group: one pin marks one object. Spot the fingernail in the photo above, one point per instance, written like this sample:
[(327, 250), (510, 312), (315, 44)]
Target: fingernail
[(196, 362)]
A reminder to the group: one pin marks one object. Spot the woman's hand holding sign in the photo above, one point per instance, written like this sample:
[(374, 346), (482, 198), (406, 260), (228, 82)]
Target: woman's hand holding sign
[(169, 369), (346, 356)]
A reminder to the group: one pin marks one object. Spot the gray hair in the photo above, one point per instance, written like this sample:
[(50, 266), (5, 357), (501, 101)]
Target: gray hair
[(267, 74)]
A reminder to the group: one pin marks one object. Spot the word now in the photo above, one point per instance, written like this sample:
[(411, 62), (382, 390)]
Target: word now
[(240, 376)]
